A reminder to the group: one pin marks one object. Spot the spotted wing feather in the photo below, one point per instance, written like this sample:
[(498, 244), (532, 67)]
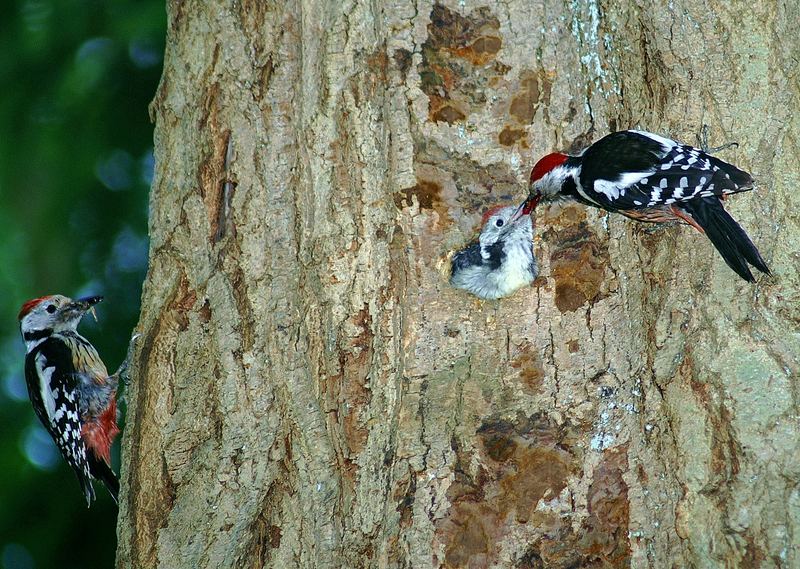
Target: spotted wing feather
[(51, 382), (623, 151), (633, 170), (471, 256)]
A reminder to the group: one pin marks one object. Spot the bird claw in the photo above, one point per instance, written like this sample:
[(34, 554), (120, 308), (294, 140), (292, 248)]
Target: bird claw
[(715, 149), (123, 370), (702, 139)]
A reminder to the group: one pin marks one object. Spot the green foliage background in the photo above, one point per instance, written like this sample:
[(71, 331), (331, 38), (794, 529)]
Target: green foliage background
[(75, 168)]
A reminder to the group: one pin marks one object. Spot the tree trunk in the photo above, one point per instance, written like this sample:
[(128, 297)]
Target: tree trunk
[(309, 391)]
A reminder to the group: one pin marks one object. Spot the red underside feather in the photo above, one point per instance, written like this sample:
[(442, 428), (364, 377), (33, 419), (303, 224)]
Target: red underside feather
[(99, 434)]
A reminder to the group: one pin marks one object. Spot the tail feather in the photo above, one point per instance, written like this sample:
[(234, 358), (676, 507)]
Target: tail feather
[(86, 486), (742, 241), (727, 236), (102, 471)]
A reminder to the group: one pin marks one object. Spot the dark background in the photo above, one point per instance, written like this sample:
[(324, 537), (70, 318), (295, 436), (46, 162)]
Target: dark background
[(76, 161)]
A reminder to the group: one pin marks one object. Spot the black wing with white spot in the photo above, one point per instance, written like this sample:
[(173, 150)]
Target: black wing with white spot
[(471, 256), (632, 169), (51, 381)]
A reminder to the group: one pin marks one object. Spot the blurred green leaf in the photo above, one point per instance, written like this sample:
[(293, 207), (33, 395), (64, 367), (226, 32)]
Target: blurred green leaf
[(75, 168)]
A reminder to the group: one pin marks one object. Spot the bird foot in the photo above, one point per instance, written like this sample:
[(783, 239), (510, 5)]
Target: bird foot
[(123, 372), (702, 139)]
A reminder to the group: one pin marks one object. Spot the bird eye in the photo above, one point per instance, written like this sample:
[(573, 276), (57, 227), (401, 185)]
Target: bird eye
[(499, 223), (51, 308)]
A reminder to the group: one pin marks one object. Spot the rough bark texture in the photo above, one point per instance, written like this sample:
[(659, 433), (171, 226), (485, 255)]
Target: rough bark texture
[(310, 392)]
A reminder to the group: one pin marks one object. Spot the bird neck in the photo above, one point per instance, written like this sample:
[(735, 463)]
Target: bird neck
[(35, 337), (559, 180), (517, 253)]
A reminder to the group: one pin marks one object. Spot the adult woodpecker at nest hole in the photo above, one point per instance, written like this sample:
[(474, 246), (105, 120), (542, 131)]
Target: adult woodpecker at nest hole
[(502, 260), (70, 389), (651, 178)]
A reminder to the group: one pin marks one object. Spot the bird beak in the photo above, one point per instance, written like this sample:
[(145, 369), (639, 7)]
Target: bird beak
[(525, 208), (519, 213), (86, 304)]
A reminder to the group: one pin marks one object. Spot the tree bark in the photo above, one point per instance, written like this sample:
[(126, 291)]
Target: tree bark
[(309, 391)]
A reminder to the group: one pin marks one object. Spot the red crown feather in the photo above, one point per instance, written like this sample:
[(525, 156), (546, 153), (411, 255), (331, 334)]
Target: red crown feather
[(546, 164), (490, 212), (30, 305)]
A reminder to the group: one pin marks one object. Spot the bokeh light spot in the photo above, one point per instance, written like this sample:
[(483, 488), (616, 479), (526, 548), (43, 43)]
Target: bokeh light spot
[(129, 253), (143, 53), (16, 556), (14, 387), (39, 448), (115, 171)]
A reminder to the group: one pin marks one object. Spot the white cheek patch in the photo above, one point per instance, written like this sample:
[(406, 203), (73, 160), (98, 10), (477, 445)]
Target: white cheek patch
[(550, 184)]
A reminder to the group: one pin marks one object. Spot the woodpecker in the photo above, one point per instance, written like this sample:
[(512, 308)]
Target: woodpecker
[(647, 177), (502, 259), (72, 393)]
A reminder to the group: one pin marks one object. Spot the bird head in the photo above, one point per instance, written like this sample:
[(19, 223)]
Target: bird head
[(547, 177), (55, 313), (506, 223)]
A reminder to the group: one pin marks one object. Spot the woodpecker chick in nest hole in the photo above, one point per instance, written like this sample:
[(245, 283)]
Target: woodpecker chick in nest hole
[(502, 260)]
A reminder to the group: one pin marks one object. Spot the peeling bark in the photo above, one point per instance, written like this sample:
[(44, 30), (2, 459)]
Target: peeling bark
[(310, 392)]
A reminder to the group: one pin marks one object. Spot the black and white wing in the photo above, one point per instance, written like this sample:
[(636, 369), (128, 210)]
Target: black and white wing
[(635, 169), (490, 257), (51, 381)]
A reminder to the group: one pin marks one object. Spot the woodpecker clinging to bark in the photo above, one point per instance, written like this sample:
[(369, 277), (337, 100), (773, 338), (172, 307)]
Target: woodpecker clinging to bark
[(651, 178), (502, 260), (72, 393)]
